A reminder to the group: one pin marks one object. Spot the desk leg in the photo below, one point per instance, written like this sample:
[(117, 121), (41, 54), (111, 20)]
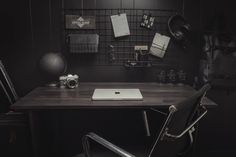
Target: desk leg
[(33, 128), (146, 124)]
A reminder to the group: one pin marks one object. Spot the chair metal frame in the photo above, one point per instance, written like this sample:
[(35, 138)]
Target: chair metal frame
[(10, 118), (163, 134), (9, 83)]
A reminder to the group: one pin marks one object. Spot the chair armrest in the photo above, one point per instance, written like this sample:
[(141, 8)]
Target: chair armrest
[(103, 142), (190, 128)]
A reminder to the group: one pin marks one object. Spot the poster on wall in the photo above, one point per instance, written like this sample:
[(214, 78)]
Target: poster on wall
[(80, 22), (120, 25)]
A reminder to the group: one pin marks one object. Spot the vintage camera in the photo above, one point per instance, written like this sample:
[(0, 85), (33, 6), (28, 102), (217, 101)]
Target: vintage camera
[(69, 81)]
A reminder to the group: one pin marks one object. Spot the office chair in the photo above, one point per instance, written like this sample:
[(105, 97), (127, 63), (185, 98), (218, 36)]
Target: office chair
[(10, 118), (180, 123)]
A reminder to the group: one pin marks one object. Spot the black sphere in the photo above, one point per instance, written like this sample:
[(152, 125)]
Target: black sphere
[(53, 64)]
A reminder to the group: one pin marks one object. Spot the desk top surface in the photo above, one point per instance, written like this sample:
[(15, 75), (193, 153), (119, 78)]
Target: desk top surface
[(154, 95)]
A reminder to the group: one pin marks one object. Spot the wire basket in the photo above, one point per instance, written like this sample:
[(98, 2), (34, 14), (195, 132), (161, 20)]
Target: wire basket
[(83, 43)]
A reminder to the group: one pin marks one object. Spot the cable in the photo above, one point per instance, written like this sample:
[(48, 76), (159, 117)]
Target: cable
[(82, 7), (31, 24), (50, 22), (183, 8), (121, 5), (95, 7)]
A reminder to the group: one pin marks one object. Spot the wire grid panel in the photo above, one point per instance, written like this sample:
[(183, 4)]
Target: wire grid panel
[(116, 51)]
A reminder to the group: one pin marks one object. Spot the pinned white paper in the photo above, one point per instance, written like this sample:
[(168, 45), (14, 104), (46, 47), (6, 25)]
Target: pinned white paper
[(120, 25)]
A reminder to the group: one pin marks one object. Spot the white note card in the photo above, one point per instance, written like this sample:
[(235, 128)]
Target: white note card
[(159, 45), (120, 25)]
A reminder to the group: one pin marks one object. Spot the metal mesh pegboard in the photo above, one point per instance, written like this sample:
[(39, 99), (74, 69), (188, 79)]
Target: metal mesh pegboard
[(116, 51)]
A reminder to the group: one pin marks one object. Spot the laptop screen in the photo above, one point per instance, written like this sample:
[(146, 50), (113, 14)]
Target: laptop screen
[(117, 94)]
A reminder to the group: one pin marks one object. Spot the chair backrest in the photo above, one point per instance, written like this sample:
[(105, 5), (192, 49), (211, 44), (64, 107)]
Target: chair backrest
[(180, 116), (185, 111), (8, 96), (7, 85)]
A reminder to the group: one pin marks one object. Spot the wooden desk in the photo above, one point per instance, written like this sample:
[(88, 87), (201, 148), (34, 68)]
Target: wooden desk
[(154, 94), (51, 98)]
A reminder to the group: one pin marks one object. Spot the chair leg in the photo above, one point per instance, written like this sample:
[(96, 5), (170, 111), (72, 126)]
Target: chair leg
[(186, 150)]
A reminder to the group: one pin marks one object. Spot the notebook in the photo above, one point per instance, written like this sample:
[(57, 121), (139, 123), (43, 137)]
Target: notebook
[(117, 94), (159, 45)]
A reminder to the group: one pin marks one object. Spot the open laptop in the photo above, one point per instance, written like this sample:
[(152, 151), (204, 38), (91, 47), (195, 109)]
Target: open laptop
[(117, 94)]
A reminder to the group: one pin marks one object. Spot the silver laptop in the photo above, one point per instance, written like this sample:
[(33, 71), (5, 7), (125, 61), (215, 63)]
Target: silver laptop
[(117, 94)]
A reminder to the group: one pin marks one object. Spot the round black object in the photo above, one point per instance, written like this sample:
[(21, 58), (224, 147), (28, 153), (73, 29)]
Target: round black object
[(53, 64), (178, 27)]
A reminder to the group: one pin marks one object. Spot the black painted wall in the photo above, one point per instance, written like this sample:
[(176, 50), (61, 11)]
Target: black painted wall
[(19, 60), (16, 46), (34, 35), (25, 31), (88, 71), (218, 129)]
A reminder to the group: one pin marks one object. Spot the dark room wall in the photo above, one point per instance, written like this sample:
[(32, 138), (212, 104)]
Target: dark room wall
[(108, 72), (218, 130), (16, 46), (87, 68), (19, 60), (34, 37), (26, 32)]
